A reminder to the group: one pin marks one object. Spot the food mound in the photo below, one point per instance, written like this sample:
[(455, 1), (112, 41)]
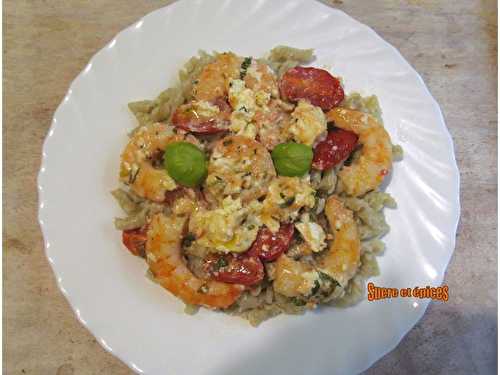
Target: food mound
[(252, 186)]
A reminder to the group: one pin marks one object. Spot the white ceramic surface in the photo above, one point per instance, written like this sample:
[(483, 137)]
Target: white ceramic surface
[(140, 322)]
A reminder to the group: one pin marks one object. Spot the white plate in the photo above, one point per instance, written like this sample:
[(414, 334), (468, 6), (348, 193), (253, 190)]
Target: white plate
[(141, 323)]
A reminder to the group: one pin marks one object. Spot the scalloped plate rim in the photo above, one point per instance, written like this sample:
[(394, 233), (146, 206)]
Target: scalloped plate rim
[(60, 283)]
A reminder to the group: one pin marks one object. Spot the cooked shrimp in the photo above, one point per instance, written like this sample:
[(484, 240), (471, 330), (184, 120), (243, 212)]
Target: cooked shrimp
[(293, 278), (375, 160), (141, 161), (163, 254), (342, 258), (341, 261), (239, 165), (214, 79)]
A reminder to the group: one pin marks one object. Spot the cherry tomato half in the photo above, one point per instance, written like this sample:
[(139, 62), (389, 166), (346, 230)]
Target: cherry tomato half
[(235, 269), (189, 117), (135, 241), (268, 246), (337, 146), (316, 85)]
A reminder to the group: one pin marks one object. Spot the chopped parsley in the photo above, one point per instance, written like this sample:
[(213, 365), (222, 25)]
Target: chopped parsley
[(133, 176), (315, 288), (221, 262), (188, 240), (298, 301), (288, 202), (244, 67), (328, 279)]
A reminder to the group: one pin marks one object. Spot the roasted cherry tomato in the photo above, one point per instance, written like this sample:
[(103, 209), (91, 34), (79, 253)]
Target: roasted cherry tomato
[(337, 146), (269, 246), (316, 85), (135, 241), (235, 269), (195, 118)]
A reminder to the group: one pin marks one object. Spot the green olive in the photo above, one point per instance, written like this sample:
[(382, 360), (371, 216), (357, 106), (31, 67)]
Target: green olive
[(185, 163), (292, 159)]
